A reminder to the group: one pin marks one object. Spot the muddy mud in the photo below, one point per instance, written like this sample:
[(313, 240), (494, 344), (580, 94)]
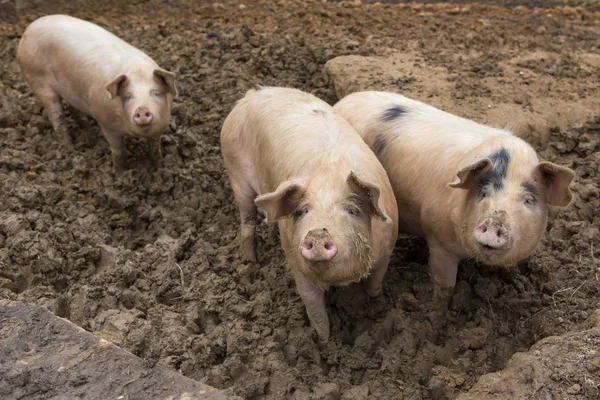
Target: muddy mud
[(149, 260)]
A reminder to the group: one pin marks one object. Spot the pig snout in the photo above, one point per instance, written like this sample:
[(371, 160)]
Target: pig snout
[(492, 234), (318, 246), (142, 116)]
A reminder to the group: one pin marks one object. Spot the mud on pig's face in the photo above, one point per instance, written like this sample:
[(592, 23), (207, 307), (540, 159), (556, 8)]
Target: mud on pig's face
[(327, 222), (507, 205)]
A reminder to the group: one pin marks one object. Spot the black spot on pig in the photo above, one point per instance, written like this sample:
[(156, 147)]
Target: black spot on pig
[(497, 174), (393, 113), (379, 144), (530, 188)]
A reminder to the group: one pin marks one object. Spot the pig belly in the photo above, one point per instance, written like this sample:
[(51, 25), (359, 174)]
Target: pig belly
[(409, 213), (410, 224), (73, 97)]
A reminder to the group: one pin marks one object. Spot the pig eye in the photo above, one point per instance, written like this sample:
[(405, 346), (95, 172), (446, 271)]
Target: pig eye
[(300, 213), (353, 211), (529, 200), (155, 93), (128, 96), (482, 193)]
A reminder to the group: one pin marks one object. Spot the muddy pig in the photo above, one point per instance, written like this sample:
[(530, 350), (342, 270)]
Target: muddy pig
[(288, 153), (99, 75), (470, 190)]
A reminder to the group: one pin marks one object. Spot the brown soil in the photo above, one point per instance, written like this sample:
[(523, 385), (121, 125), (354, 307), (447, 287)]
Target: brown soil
[(150, 260), (591, 4)]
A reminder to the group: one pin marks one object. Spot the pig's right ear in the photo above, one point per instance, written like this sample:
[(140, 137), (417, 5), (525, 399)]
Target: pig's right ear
[(468, 175), (556, 179), (168, 79), (114, 86), (283, 201), (368, 191)]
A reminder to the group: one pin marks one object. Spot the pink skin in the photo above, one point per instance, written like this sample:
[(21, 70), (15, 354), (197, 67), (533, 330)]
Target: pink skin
[(492, 234), (142, 116), (288, 154), (440, 165), (100, 75), (318, 246)]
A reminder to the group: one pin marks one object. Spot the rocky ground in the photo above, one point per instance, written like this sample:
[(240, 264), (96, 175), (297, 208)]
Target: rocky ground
[(149, 260)]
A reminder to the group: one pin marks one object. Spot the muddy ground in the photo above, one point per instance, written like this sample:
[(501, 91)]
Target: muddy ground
[(150, 260)]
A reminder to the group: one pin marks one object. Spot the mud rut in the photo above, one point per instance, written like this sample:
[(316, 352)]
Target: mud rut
[(150, 261)]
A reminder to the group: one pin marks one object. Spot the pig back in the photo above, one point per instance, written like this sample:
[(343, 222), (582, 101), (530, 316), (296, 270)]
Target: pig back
[(290, 134), (421, 148)]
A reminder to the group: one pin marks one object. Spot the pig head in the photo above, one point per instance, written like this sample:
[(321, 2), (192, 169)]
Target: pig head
[(327, 234), (506, 204), (144, 95)]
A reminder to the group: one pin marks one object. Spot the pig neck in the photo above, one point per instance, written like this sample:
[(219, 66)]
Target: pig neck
[(442, 221)]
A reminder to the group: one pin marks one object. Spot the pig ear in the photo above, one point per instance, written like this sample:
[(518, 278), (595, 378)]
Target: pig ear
[(168, 79), (115, 85), (556, 180), (369, 191), (283, 200), (468, 175)]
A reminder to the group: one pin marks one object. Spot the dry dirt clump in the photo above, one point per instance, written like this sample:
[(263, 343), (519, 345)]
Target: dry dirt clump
[(150, 260)]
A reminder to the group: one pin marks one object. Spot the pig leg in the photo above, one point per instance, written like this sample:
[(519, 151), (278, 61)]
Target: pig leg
[(248, 231), (314, 300), (244, 197), (373, 284), (117, 147), (241, 173), (154, 151), (51, 102), (444, 267)]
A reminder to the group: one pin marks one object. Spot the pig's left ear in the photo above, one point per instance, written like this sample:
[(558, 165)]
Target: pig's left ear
[(469, 174), (114, 86), (368, 191), (283, 201), (556, 179), (168, 79)]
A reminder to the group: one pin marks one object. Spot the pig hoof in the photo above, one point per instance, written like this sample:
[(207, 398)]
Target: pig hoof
[(439, 323), (373, 292), (158, 164), (442, 297), (248, 255), (322, 334), (247, 274), (120, 163), (249, 259), (322, 339)]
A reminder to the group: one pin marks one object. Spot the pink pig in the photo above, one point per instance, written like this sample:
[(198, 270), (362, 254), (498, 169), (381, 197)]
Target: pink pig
[(288, 153), (470, 190), (99, 75)]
